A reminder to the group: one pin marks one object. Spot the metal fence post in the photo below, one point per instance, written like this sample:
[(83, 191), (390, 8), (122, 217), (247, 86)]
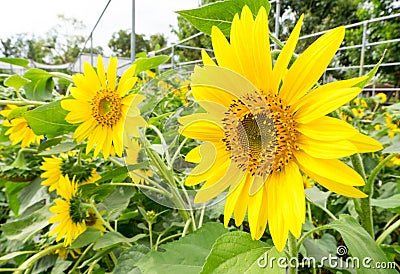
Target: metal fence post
[(363, 46), (277, 16)]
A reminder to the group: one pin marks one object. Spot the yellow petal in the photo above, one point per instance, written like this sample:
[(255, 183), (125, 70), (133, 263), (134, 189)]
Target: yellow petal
[(331, 169), (112, 73), (194, 155), (310, 65), (91, 76), (336, 187), (100, 71), (203, 130), (222, 50), (284, 57), (365, 143), (261, 52), (256, 211), (206, 58), (319, 103), (327, 129), (127, 75), (232, 200), (326, 149)]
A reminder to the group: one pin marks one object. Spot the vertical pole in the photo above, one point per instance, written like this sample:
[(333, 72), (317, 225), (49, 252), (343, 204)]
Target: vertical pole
[(172, 57), (277, 16), (133, 35), (91, 49), (363, 46)]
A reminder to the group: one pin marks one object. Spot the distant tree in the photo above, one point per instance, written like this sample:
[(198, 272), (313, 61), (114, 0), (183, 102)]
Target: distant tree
[(120, 42)]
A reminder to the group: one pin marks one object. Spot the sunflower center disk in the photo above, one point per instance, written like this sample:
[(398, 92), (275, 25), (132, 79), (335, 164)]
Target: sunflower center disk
[(106, 107), (260, 140)]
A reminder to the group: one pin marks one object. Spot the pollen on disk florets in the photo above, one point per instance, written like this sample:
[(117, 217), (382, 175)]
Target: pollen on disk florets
[(106, 107), (260, 136)]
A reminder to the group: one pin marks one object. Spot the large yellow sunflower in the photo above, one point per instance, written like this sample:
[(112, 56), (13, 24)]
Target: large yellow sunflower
[(100, 107), (266, 125), (70, 215), (19, 131), (56, 167)]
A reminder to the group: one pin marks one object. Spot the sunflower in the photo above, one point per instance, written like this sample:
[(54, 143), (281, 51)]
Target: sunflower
[(100, 107), (266, 125), (70, 214), (55, 167), (19, 131), (132, 157)]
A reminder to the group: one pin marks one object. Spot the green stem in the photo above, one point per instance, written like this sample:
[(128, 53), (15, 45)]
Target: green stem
[(387, 232), (80, 258), (61, 75), (364, 212), (22, 103), (163, 142), (141, 186), (166, 239), (150, 234), (178, 151), (29, 263), (276, 40), (293, 252), (98, 216), (309, 233)]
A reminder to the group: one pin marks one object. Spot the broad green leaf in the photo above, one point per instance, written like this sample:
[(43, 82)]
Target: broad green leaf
[(96, 192), (117, 202), (28, 226), (395, 148), (221, 14), (12, 191), (90, 235), (128, 258), (15, 81), (120, 171), (49, 120), (63, 147), (3, 130), (12, 255), (361, 246), (60, 266), (391, 202), (316, 196), (15, 61), (154, 120), (32, 194), (143, 64), (17, 112), (187, 255), (48, 143), (44, 263), (268, 263), (236, 252), (320, 249), (41, 86), (112, 238)]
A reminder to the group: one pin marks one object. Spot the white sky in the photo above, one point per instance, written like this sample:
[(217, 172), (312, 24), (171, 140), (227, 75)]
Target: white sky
[(37, 17)]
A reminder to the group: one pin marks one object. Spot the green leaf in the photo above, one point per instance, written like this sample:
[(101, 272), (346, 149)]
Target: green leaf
[(60, 266), (90, 235), (395, 148), (128, 258), (28, 226), (371, 74), (112, 238), (154, 120), (110, 175), (221, 14), (12, 191), (236, 252), (143, 64), (391, 202), (48, 143), (32, 194), (63, 147), (268, 263), (12, 255), (49, 119), (117, 202), (316, 196), (17, 112), (41, 86), (361, 245), (187, 255), (15, 61), (15, 81)]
